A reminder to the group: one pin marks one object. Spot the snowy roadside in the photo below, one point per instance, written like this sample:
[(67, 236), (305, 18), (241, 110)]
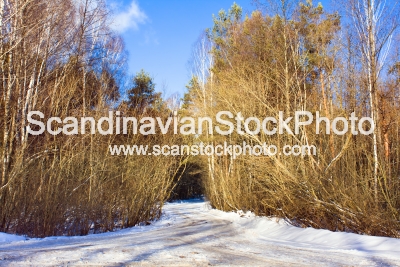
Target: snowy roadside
[(191, 234)]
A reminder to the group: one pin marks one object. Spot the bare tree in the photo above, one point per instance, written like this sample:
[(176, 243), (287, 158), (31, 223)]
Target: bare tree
[(375, 22)]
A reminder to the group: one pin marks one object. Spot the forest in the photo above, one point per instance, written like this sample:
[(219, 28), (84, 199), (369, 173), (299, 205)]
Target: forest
[(61, 58)]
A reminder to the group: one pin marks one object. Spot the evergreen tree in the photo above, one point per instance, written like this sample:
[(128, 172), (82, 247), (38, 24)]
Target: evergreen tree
[(142, 95)]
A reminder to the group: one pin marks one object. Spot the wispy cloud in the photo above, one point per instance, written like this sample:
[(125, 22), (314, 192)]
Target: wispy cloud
[(129, 18)]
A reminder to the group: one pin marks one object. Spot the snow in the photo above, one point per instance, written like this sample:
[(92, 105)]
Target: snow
[(6, 238), (190, 233)]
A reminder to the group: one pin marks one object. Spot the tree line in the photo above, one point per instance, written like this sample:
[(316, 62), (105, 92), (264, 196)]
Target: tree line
[(295, 56), (61, 58)]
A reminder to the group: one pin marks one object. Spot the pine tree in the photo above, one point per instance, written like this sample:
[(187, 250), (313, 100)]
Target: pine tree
[(142, 95)]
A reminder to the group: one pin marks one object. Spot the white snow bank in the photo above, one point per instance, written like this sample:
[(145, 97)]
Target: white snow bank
[(279, 231), (165, 221), (7, 238)]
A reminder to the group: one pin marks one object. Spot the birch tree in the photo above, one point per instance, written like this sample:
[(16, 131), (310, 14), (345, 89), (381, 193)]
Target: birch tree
[(375, 22)]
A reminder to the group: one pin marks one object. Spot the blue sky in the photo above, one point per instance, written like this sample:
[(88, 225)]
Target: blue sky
[(159, 35)]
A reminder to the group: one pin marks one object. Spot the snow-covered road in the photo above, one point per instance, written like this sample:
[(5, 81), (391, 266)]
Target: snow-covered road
[(191, 234)]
